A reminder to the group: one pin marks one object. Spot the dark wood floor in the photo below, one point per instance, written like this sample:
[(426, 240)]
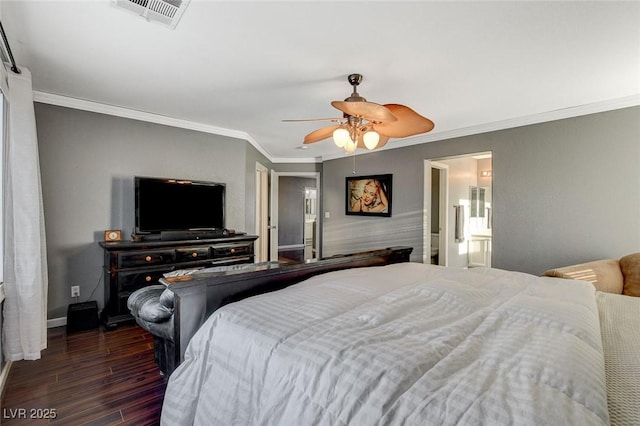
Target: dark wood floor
[(90, 377), (291, 256)]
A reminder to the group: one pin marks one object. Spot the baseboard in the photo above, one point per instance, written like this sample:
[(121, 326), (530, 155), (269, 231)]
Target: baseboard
[(4, 375), (57, 322)]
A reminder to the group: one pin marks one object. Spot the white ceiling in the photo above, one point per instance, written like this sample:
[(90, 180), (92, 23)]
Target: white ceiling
[(239, 68)]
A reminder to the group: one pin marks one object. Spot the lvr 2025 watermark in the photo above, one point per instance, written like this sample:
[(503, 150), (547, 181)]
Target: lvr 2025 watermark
[(29, 413)]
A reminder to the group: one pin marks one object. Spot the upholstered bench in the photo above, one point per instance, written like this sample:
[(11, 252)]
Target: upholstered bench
[(152, 308)]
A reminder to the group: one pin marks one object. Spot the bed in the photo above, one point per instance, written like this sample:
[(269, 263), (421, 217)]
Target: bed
[(406, 343)]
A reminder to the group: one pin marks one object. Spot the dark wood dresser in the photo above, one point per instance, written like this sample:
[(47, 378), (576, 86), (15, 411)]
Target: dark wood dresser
[(130, 265)]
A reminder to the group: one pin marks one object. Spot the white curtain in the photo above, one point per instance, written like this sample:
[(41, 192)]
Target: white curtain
[(25, 262)]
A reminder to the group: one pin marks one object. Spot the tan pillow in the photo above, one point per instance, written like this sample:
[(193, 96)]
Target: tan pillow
[(630, 267), (604, 274)]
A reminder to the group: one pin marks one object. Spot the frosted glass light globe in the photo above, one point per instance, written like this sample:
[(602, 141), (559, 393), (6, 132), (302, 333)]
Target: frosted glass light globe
[(341, 136), (371, 139), (350, 146)]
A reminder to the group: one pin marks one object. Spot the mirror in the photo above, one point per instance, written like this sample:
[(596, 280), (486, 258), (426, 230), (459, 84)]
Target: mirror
[(310, 200), (477, 197)]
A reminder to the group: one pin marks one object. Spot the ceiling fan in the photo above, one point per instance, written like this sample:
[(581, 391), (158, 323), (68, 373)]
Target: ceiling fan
[(367, 124)]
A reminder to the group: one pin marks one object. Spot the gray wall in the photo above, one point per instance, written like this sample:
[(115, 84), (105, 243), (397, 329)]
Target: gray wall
[(253, 156), (88, 162), (563, 192)]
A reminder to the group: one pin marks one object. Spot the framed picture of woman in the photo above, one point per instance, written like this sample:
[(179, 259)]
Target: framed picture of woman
[(368, 195)]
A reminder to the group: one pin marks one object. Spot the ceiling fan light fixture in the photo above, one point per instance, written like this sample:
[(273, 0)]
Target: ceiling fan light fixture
[(368, 124), (350, 146), (341, 137), (371, 139)]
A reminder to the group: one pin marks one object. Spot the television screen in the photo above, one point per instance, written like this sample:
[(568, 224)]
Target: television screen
[(178, 205)]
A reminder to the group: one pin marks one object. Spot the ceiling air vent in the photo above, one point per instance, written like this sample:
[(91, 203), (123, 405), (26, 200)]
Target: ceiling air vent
[(167, 12)]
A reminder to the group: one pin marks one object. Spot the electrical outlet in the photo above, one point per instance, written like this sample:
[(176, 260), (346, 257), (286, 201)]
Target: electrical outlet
[(75, 291)]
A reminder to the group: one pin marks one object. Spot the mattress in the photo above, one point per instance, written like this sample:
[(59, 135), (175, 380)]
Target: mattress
[(619, 323), (400, 344)]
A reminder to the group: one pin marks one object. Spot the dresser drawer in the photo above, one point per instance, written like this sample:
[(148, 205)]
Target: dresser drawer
[(188, 254), (146, 258), (233, 249), (131, 281)]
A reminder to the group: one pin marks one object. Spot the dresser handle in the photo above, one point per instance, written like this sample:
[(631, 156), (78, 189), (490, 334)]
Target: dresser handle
[(194, 254), (233, 250), (148, 258), (147, 278)]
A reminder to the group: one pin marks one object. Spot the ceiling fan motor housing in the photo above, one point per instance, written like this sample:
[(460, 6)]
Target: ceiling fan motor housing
[(355, 80)]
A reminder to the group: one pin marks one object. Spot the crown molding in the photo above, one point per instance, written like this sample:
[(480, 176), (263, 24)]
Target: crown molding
[(576, 111), (290, 160), (81, 104)]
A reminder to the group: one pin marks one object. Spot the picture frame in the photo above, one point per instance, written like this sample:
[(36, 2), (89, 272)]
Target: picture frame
[(369, 195)]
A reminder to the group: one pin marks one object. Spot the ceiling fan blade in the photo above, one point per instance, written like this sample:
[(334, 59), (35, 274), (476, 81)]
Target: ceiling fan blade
[(335, 120), (369, 110), (320, 134), (382, 142), (409, 123)]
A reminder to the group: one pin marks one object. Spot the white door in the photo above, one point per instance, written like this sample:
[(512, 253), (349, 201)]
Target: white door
[(262, 213)]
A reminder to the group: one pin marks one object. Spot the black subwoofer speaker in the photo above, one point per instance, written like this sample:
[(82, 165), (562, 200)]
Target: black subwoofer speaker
[(82, 316)]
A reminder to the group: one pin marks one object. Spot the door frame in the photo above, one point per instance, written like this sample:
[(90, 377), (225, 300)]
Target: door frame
[(273, 210), (443, 217)]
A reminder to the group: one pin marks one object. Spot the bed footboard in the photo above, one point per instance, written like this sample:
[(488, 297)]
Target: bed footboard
[(199, 294)]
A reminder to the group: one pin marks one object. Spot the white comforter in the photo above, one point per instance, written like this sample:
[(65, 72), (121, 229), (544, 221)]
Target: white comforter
[(407, 344)]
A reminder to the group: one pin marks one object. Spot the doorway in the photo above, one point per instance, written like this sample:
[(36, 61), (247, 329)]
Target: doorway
[(458, 210), (294, 228)]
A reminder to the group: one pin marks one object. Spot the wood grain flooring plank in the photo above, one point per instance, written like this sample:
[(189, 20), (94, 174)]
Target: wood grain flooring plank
[(92, 377)]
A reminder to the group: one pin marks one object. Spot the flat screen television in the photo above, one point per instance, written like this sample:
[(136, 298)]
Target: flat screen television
[(178, 205)]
